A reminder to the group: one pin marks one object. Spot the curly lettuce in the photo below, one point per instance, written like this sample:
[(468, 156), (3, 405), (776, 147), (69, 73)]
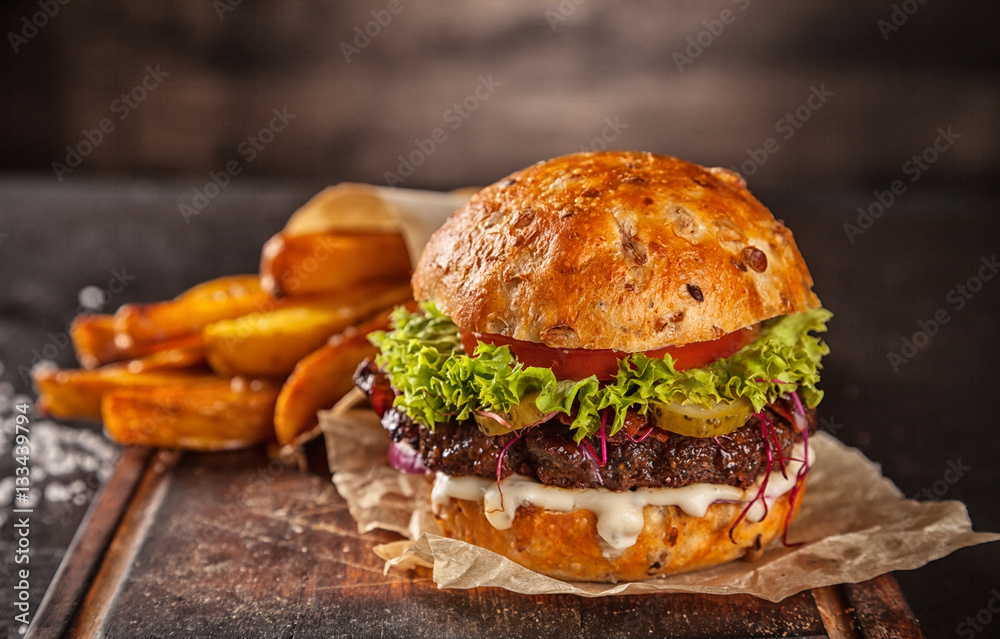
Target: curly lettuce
[(437, 381)]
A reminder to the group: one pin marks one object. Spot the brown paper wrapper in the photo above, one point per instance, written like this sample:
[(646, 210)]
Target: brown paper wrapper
[(854, 525), (349, 207), (364, 207)]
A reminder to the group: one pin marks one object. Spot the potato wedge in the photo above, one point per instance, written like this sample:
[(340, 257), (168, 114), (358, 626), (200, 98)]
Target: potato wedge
[(318, 382), (190, 312), (271, 344), (187, 352), (218, 415), (324, 262), (221, 288), (94, 340), (76, 394), (96, 343), (322, 378)]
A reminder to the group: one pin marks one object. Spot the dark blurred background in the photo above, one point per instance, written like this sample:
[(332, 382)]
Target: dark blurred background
[(824, 106), (561, 70)]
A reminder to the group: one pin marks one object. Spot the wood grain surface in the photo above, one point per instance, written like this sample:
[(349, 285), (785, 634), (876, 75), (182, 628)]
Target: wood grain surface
[(235, 545), (83, 558)]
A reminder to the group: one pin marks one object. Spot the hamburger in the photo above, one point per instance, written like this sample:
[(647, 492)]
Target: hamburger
[(612, 374)]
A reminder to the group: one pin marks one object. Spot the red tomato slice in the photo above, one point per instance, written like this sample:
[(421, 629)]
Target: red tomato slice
[(578, 363)]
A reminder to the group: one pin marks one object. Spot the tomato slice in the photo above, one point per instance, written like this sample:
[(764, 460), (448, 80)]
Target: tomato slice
[(578, 363)]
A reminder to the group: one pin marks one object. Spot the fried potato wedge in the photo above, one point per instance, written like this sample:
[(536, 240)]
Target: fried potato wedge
[(187, 352), (93, 339), (324, 262), (221, 288), (97, 344), (217, 415), (191, 311), (76, 394), (322, 378), (271, 344), (317, 382)]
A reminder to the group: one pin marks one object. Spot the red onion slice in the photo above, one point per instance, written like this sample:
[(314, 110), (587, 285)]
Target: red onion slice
[(403, 458)]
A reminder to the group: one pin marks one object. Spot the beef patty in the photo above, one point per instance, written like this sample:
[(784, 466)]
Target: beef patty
[(548, 453)]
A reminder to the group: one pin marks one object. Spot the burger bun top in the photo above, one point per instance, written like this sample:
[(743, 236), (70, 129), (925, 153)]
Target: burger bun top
[(614, 250)]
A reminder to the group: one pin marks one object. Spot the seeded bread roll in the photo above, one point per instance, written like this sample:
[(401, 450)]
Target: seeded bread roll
[(614, 250), (567, 546)]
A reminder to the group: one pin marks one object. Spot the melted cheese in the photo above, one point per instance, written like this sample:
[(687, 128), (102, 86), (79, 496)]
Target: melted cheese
[(619, 514)]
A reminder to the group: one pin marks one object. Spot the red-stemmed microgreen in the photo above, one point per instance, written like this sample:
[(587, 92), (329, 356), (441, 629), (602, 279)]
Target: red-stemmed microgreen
[(495, 417), (604, 444), (769, 428), (763, 484), (797, 402), (800, 479), (588, 449), (636, 440), (520, 433)]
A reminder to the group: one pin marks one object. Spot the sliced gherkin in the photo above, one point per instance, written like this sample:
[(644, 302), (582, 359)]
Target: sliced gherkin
[(698, 421), (519, 416)]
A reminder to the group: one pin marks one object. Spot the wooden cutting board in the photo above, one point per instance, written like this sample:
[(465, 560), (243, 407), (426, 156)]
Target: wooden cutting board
[(233, 545)]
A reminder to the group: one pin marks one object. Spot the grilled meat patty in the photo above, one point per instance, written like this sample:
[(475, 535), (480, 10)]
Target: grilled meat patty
[(548, 453)]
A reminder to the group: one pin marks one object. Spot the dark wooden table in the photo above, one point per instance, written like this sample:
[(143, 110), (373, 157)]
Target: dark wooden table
[(203, 545), (234, 545)]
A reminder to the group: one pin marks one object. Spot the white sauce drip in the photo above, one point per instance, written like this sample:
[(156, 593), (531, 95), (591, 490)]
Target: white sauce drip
[(619, 515)]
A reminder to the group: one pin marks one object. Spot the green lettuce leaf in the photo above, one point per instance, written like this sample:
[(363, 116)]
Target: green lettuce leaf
[(423, 357)]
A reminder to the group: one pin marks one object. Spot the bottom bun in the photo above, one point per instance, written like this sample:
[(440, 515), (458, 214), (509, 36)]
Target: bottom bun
[(566, 545)]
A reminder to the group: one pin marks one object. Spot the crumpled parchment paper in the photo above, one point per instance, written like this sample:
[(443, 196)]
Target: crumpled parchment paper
[(348, 207), (364, 207), (854, 524)]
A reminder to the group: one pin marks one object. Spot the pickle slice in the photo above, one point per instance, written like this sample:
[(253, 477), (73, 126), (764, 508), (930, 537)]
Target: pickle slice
[(698, 421), (519, 416)]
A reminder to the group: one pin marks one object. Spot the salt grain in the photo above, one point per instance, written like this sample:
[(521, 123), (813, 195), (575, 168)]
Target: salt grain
[(6, 491), (59, 455), (91, 298), (57, 493)]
